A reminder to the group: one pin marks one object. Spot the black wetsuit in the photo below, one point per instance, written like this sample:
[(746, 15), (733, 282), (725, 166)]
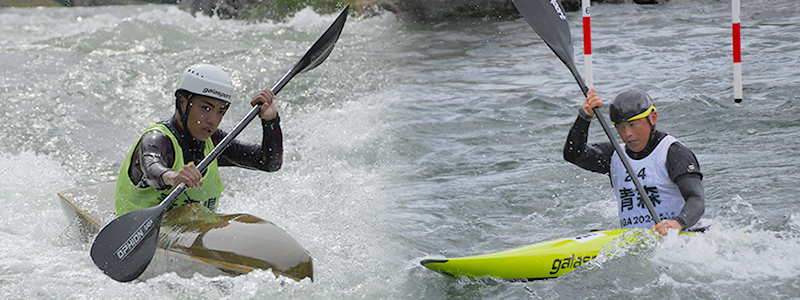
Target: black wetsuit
[(155, 154), (682, 165)]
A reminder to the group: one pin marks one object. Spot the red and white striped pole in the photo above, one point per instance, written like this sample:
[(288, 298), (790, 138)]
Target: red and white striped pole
[(737, 53), (587, 43)]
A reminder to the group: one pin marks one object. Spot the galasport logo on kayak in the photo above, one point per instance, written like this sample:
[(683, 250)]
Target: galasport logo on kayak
[(558, 10), (570, 262), (216, 92), (134, 239)]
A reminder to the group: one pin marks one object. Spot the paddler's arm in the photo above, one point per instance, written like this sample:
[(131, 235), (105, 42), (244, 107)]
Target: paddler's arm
[(595, 157), (684, 170), (691, 188), (151, 159), (269, 155)]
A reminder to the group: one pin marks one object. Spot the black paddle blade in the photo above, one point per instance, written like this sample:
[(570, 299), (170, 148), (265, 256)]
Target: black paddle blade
[(324, 45), (547, 18), (317, 53), (124, 247)]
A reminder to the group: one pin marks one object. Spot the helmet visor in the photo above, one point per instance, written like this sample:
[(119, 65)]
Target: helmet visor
[(644, 114)]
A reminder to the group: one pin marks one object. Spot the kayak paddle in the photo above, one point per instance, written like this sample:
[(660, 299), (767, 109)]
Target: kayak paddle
[(124, 247), (547, 18)]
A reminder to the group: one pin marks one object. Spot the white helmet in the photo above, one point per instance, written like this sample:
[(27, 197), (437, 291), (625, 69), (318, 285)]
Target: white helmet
[(206, 80)]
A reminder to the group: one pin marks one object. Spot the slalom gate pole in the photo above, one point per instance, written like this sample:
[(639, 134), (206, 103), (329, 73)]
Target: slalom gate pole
[(737, 52), (587, 43)]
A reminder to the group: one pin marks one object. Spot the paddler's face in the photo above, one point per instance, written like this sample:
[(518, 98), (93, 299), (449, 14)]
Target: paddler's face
[(204, 116), (636, 133)]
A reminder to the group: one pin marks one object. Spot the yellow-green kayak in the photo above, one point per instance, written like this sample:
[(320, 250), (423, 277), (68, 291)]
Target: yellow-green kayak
[(541, 260)]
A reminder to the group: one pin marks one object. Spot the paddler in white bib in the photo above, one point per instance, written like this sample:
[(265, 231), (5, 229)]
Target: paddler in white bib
[(667, 169)]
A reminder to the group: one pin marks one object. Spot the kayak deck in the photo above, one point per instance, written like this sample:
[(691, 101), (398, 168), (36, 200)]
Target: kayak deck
[(543, 260), (194, 239)]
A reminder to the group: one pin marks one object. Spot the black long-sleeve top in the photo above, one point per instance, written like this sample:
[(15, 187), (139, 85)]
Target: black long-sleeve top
[(682, 165), (155, 154)]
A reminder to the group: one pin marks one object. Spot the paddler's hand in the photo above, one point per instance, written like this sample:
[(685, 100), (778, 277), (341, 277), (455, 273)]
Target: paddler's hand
[(592, 100), (664, 225), (188, 174), (268, 109)]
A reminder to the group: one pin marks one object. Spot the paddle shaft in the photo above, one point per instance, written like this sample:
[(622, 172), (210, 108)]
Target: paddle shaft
[(548, 20)]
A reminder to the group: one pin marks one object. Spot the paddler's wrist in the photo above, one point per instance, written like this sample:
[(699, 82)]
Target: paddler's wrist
[(681, 222), (271, 124), (582, 113), (168, 178)]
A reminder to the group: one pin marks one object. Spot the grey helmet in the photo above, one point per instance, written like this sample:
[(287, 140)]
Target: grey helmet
[(631, 105)]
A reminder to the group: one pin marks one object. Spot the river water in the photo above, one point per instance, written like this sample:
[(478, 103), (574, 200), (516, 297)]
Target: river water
[(411, 141)]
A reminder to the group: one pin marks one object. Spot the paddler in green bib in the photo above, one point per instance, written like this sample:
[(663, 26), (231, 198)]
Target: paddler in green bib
[(667, 169), (166, 153)]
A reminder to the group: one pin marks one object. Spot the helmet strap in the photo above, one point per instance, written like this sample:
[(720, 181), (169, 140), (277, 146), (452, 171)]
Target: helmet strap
[(652, 127), (184, 113)]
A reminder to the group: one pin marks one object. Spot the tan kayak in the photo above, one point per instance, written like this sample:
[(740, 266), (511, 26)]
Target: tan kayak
[(194, 239)]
